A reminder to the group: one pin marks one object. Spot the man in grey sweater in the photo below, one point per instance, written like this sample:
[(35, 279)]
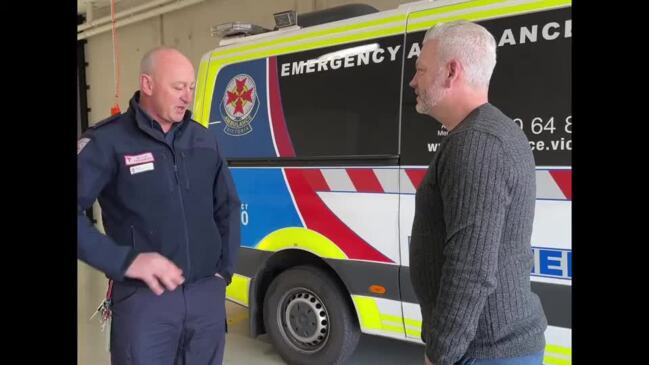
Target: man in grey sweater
[(470, 253)]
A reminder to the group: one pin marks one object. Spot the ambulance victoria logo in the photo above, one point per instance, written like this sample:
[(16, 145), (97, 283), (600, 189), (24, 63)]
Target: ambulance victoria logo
[(239, 105)]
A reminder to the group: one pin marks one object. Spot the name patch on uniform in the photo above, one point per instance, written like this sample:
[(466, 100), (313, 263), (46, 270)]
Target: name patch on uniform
[(138, 159), (141, 168)]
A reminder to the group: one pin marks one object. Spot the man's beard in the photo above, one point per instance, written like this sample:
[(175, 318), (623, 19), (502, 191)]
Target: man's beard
[(431, 97)]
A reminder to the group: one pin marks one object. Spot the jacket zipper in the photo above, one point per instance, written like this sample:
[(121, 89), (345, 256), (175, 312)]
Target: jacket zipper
[(182, 210), (182, 202)]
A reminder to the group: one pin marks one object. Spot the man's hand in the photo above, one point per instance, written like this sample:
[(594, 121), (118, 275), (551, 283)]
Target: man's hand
[(426, 361), (155, 269)]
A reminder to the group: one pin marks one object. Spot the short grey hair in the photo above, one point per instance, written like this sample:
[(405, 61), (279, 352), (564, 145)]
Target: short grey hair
[(471, 44)]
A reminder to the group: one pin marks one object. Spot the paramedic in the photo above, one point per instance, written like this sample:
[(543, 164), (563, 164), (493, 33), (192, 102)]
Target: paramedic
[(171, 215)]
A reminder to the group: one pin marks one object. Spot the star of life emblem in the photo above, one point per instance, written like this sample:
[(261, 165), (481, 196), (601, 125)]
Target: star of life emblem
[(239, 105)]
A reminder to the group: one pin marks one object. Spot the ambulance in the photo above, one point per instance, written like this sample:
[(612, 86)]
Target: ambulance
[(319, 127)]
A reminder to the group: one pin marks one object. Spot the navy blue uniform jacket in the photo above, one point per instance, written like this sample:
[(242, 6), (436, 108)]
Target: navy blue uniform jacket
[(180, 202)]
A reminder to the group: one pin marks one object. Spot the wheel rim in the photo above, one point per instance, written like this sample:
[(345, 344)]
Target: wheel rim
[(303, 320)]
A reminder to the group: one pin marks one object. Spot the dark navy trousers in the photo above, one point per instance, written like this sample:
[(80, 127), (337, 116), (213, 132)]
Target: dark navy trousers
[(182, 327)]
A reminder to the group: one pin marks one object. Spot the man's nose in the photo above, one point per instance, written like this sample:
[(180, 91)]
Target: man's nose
[(186, 96)]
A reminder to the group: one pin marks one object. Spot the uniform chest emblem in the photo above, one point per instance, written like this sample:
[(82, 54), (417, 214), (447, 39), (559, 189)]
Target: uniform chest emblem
[(138, 159)]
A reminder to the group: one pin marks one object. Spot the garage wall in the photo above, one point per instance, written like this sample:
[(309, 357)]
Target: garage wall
[(187, 29)]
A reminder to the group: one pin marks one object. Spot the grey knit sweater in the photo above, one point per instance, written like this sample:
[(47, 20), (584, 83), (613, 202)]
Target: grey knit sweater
[(470, 253)]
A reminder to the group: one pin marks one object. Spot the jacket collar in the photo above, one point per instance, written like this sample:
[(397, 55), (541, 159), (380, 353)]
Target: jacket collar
[(144, 121)]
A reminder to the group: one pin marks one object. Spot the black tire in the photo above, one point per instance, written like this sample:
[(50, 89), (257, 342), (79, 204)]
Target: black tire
[(323, 329)]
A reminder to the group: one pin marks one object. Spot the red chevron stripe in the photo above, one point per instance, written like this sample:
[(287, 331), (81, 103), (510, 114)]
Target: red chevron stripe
[(563, 178), (315, 179), (364, 180), (416, 176), (319, 218)]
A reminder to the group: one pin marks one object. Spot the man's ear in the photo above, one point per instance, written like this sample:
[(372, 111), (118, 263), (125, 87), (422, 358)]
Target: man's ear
[(454, 69), (146, 84)]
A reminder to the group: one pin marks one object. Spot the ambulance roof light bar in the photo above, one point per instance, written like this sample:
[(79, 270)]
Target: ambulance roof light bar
[(237, 28)]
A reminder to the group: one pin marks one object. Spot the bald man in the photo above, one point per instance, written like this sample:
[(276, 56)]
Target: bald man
[(171, 215)]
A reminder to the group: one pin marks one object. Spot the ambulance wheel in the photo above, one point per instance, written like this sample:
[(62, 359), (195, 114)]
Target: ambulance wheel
[(308, 318)]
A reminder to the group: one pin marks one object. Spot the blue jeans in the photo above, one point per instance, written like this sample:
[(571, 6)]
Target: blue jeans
[(534, 359)]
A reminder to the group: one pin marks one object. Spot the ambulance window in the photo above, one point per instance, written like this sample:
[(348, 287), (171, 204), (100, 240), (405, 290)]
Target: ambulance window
[(345, 107)]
